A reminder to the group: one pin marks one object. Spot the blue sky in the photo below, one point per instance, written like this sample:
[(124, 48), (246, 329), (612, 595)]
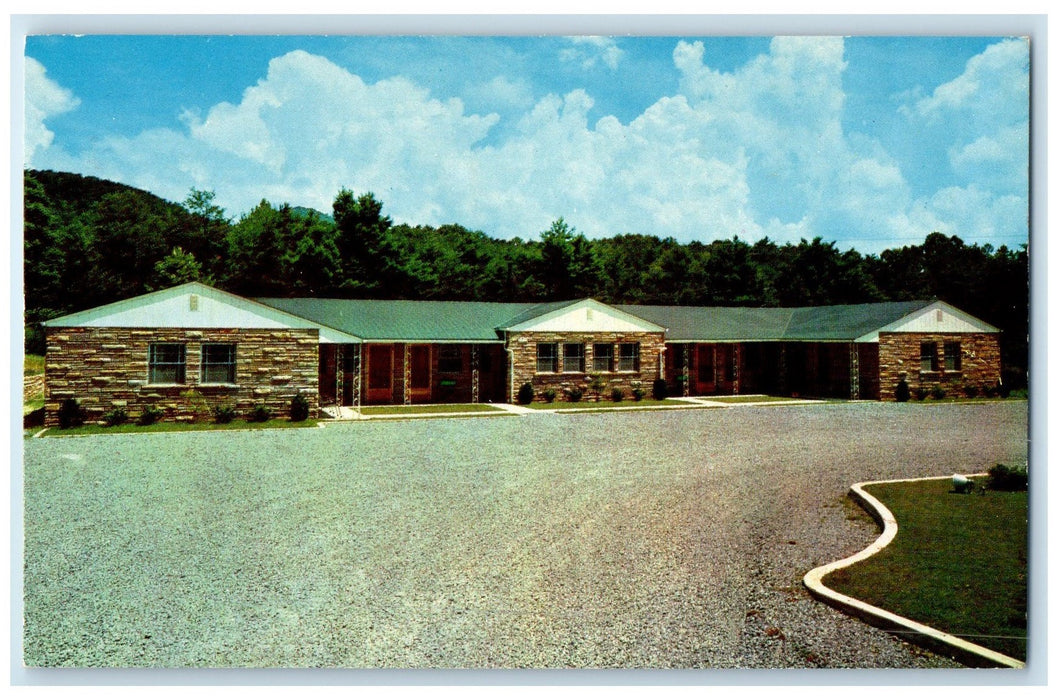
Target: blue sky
[(868, 142)]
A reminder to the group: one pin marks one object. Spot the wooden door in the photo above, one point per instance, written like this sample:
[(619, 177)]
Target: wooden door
[(705, 369), (379, 372), (419, 375)]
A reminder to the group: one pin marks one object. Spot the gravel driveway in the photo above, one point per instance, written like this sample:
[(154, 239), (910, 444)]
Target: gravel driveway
[(668, 539)]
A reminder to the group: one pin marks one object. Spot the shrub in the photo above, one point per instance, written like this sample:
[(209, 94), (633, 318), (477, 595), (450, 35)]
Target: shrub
[(617, 394), (1003, 390), (597, 384), (575, 394), (223, 414), (661, 389), (903, 391), (988, 390), (971, 391), (115, 416), (638, 392), (71, 415), (299, 408), (550, 394), (1004, 478), (260, 413), (150, 415), (938, 392), (921, 393), (525, 393)]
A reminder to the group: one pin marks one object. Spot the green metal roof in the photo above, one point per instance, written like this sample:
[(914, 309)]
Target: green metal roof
[(404, 320), (474, 321), (809, 323)]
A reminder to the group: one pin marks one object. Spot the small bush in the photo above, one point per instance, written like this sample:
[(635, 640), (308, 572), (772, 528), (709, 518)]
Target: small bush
[(938, 392), (116, 416), (903, 391), (617, 394), (661, 389), (575, 394), (223, 414), (971, 391), (638, 393), (988, 390), (299, 408), (597, 385), (150, 415), (525, 393), (1003, 390), (921, 393), (1004, 478), (550, 394), (260, 413), (71, 415)]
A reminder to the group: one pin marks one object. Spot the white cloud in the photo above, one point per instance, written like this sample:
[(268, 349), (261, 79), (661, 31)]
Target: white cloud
[(759, 151), (44, 98), (588, 51)]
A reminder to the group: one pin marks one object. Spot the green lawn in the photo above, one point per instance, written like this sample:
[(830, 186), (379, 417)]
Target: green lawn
[(751, 399), (429, 408), (170, 427), (958, 563), (33, 364), (591, 403)]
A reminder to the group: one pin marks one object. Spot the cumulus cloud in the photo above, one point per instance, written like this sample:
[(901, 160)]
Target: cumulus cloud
[(758, 151), (44, 98), (588, 51)]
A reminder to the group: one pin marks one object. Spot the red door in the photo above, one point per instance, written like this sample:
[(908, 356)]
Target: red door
[(379, 374), (419, 373)]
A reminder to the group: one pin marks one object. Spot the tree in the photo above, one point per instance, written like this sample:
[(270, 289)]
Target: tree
[(205, 229), (177, 268), (362, 246), (568, 268)]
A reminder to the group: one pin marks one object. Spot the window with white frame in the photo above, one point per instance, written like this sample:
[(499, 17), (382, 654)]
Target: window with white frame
[(218, 363), (602, 357), (928, 357), (573, 357), (547, 357), (167, 363), (628, 357)]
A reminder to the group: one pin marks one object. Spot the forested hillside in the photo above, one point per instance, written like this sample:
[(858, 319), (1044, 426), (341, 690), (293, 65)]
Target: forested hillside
[(89, 242)]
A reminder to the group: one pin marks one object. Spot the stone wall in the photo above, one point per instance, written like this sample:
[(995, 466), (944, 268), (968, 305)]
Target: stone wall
[(899, 356), (106, 368), (523, 347)]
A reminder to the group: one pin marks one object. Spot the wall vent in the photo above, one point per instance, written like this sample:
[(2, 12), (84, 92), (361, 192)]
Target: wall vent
[(589, 313), (193, 300), (940, 316)]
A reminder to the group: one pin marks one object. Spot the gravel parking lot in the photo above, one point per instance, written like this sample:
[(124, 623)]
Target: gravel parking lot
[(661, 539)]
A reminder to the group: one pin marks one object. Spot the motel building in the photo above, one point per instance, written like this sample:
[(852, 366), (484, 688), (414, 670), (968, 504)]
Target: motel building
[(192, 347)]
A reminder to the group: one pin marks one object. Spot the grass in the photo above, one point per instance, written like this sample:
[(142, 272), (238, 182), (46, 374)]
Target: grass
[(958, 563), (33, 365), (751, 399), (590, 403), (171, 427), (428, 409)]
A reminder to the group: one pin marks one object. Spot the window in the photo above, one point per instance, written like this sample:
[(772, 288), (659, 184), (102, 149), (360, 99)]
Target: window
[(928, 353), (547, 357), (450, 359), (628, 360), (218, 364), (602, 357), (167, 363), (953, 356), (573, 357)]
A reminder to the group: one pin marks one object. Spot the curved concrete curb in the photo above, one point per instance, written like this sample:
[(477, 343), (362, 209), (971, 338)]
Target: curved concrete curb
[(963, 651)]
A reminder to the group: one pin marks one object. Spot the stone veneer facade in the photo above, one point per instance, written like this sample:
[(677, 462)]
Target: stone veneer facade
[(523, 350), (900, 354), (106, 368)]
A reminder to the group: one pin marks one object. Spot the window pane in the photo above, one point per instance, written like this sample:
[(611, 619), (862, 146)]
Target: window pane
[(573, 357), (629, 359), (547, 357), (929, 357), (953, 356), (218, 364), (451, 359), (602, 357), (165, 363)]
